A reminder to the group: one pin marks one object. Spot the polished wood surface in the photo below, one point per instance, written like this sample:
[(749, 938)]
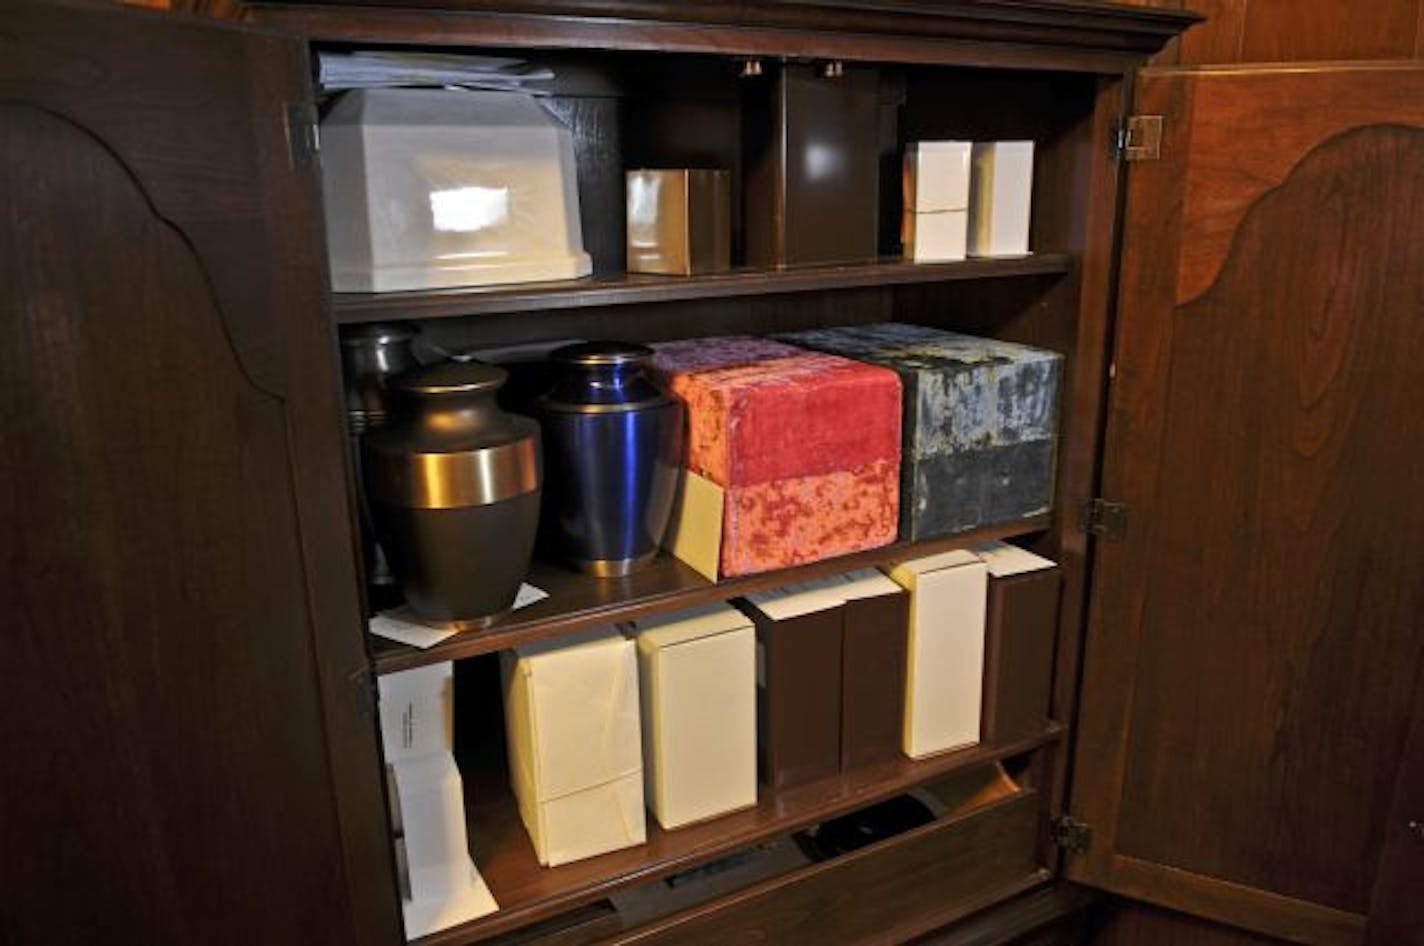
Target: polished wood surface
[(1255, 31), (1049, 916), (881, 894), (1256, 639), (1125, 923), (577, 601), (626, 288), (527, 892), (186, 756), (1045, 34), (1396, 908)]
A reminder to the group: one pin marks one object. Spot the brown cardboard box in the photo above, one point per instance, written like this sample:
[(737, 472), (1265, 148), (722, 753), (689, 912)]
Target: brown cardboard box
[(798, 650), (1018, 647), (875, 629)]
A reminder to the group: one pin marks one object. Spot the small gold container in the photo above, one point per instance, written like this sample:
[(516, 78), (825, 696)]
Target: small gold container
[(679, 222)]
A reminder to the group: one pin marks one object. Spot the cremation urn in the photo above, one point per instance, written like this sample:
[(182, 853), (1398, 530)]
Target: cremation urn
[(453, 483), (614, 442)]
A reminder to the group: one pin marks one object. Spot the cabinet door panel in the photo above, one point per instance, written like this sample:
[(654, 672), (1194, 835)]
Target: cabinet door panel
[(186, 756), (1257, 638)]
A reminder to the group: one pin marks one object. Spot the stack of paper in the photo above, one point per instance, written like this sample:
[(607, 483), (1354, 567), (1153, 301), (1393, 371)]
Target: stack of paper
[(386, 70)]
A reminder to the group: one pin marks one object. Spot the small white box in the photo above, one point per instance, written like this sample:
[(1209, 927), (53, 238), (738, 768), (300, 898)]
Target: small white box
[(575, 751), (936, 176), (940, 237), (417, 711), (1000, 198), (697, 677), (944, 681), (444, 886)]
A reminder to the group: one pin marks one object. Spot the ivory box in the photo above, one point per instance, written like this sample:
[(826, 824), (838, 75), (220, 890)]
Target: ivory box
[(697, 681), (798, 676), (935, 185), (981, 422), (575, 750), (1001, 194), (945, 669), (1020, 627), (792, 456)]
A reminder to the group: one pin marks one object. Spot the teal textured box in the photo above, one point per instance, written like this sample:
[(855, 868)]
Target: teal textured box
[(980, 427)]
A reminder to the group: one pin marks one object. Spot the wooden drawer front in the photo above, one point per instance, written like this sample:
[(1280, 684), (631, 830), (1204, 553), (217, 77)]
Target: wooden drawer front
[(881, 894)]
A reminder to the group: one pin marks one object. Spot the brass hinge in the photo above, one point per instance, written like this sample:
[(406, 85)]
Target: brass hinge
[(1140, 138), (1070, 834), (1104, 519), (302, 140)]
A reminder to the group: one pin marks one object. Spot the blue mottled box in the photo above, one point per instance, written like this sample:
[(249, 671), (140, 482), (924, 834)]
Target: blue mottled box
[(981, 422)]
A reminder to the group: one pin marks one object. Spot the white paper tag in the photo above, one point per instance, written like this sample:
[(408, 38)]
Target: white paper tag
[(398, 624)]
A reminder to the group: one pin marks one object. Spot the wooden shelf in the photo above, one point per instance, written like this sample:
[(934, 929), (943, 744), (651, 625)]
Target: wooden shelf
[(577, 602), (626, 288), (527, 893)]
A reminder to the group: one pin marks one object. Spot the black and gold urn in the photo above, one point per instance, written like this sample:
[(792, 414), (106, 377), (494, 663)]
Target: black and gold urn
[(454, 485), (614, 441)]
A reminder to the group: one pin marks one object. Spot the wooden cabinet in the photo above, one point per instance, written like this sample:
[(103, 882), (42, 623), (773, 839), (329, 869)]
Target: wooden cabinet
[(193, 745)]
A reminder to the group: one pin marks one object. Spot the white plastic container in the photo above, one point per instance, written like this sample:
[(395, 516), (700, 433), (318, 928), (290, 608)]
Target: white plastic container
[(437, 188)]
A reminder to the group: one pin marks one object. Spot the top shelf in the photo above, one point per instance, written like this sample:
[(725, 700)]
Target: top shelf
[(625, 288)]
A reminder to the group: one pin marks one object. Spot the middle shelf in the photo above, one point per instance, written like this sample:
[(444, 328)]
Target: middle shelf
[(577, 601)]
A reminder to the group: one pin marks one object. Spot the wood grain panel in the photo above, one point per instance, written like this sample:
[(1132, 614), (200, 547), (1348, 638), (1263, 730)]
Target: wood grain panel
[(175, 503), (1257, 638), (1123, 923), (1219, 39), (1291, 108), (1292, 30), (1396, 908)]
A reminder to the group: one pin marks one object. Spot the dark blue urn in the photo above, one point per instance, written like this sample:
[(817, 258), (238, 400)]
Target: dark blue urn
[(613, 448)]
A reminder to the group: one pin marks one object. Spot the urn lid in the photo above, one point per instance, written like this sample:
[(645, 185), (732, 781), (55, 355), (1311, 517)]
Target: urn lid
[(601, 354), (377, 333), (452, 377)]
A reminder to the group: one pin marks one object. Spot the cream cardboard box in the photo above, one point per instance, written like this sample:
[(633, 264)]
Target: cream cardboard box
[(440, 885), (575, 751), (935, 184), (697, 679), (944, 679), (1001, 192), (417, 711)]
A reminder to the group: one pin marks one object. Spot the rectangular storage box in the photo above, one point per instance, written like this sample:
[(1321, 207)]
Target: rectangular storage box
[(812, 169), (944, 683), (697, 680), (792, 456), (981, 422), (1001, 195), (679, 222), (1022, 623), (798, 676), (572, 722), (875, 628)]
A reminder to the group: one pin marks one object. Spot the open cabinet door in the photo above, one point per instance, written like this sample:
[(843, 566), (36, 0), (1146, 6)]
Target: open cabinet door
[(1257, 635), (186, 754)]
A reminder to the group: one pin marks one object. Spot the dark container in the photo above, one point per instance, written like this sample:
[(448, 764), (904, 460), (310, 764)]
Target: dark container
[(812, 167), (371, 355), (453, 483), (614, 442)]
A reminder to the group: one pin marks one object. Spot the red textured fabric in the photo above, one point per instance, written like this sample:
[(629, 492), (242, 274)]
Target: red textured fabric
[(805, 519), (789, 417)]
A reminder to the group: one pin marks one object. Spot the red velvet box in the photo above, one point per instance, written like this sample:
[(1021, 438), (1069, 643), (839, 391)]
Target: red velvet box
[(803, 450)]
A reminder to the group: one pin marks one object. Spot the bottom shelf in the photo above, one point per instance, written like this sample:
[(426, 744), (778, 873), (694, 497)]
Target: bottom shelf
[(527, 892)]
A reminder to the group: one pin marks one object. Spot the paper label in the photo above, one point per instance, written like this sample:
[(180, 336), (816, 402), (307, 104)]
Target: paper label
[(399, 625)]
